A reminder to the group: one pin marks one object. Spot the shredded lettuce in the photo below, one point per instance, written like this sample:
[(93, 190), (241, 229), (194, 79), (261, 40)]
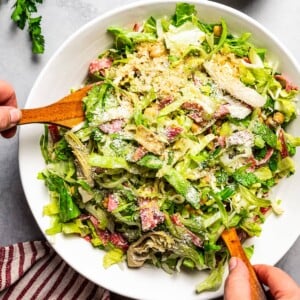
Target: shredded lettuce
[(184, 12), (125, 39), (112, 257), (214, 280), (179, 39)]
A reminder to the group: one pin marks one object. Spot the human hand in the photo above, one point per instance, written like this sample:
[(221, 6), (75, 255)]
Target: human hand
[(281, 285), (9, 114)]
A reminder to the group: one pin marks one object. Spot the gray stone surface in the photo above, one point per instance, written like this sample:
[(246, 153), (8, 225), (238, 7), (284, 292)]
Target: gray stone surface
[(60, 19)]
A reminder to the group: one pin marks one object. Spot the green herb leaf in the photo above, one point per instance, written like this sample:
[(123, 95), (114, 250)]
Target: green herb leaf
[(22, 14)]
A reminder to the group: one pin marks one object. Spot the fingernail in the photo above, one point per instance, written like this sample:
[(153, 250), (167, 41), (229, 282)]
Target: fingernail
[(232, 263), (15, 115)]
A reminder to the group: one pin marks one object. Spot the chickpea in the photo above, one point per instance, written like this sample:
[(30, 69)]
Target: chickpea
[(157, 50), (270, 122), (195, 128), (217, 30), (105, 202), (278, 117)]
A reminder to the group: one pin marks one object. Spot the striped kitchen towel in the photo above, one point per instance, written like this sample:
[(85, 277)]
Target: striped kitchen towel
[(32, 270)]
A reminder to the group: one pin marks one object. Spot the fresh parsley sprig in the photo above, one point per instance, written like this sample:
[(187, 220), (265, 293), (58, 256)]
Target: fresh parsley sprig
[(23, 11)]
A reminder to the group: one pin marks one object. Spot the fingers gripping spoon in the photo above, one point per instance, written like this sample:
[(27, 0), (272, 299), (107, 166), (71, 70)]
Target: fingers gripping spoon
[(235, 248)]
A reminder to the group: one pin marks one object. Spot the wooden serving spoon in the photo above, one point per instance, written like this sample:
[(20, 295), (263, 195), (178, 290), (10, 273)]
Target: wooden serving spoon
[(235, 248), (65, 112)]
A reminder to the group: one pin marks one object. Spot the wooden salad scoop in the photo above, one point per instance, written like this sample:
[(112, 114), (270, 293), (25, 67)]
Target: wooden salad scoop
[(235, 248), (65, 112)]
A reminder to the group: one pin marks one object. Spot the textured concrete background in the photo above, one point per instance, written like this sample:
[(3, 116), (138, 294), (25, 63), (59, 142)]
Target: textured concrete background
[(60, 19)]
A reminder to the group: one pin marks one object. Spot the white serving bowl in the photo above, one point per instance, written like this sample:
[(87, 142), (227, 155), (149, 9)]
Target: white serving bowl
[(67, 69)]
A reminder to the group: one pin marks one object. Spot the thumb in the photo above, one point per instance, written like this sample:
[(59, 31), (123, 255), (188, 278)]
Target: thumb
[(237, 283), (9, 116)]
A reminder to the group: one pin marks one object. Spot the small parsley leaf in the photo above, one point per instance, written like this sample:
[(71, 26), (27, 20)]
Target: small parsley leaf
[(22, 14)]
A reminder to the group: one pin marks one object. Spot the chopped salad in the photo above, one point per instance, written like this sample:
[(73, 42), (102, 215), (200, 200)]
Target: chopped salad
[(185, 135)]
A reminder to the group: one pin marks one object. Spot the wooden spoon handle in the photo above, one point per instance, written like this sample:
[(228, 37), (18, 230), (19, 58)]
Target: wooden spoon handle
[(235, 248), (66, 112)]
